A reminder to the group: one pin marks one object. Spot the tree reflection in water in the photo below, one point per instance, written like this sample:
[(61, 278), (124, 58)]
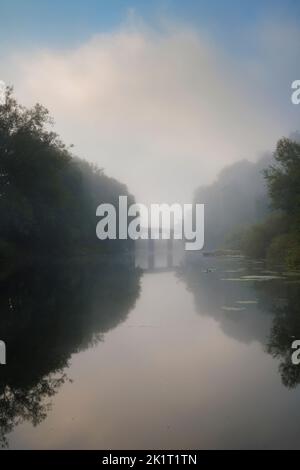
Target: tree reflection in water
[(273, 318), (285, 329), (49, 312)]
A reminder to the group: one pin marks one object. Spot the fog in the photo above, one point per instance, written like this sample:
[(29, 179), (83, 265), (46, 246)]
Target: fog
[(164, 109)]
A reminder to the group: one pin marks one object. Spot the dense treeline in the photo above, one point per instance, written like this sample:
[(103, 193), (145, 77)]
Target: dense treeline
[(48, 197), (255, 207), (277, 238)]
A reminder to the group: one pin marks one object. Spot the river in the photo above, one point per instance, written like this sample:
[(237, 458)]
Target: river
[(183, 355)]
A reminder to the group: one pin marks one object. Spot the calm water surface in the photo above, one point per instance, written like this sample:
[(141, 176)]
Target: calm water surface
[(191, 356)]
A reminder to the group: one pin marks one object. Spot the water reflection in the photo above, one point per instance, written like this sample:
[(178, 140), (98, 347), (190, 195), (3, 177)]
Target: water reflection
[(191, 366), (285, 328), (250, 303), (48, 312), (159, 255)]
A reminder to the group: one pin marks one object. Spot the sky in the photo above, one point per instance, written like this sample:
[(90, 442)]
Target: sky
[(161, 94)]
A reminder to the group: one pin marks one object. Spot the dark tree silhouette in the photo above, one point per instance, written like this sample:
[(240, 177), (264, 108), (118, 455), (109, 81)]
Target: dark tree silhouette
[(48, 197), (48, 313), (286, 328)]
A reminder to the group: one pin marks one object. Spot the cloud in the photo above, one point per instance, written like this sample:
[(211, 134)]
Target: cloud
[(162, 110)]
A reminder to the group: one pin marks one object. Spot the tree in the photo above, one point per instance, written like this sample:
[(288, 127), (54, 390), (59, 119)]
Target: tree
[(48, 197), (283, 178)]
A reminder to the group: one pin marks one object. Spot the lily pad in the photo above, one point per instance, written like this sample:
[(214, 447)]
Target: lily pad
[(232, 309), (262, 278)]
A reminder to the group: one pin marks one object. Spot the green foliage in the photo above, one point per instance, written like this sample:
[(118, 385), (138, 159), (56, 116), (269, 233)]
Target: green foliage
[(48, 198), (255, 241), (293, 252), (278, 249), (258, 238), (283, 178), (277, 239)]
